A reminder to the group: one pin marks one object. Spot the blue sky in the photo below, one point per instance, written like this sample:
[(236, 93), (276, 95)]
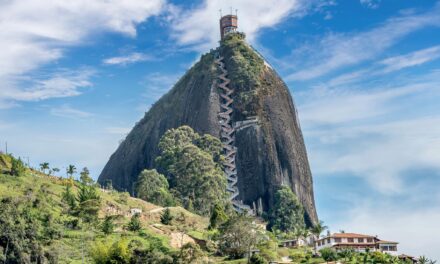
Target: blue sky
[(365, 75)]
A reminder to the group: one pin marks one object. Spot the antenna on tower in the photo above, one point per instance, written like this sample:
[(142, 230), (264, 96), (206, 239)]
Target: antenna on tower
[(220, 11), (236, 12), (231, 10)]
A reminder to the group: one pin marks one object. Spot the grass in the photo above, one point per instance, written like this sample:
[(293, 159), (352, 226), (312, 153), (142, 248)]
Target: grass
[(73, 244)]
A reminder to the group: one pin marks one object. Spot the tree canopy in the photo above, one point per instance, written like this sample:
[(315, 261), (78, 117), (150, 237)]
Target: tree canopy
[(192, 163), (153, 187), (287, 214)]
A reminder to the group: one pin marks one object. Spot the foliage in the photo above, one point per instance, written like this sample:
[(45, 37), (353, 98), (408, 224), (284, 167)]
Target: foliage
[(89, 202), (135, 223), (68, 197), (218, 216), (237, 236), (85, 177), (17, 167), (104, 252), (318, 228), (153, 187), (70, 170), (287, 213), (191, 253), (257, 259), (328, 254), (22, 233), (107, 226), (192, 163), (44, 166), (166, 217)]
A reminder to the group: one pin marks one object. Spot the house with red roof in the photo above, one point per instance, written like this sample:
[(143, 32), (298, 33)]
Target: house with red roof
[(357, 242)]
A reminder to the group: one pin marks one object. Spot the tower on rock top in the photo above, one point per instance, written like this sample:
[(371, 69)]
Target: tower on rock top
[(228, 24)]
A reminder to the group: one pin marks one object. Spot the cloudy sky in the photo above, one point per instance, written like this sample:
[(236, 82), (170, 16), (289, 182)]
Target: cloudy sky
[(75, 76)]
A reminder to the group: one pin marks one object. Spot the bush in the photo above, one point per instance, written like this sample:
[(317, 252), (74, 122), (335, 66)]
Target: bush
[(166, 217), (135, 223), (328, 254), (257, 259), (17, 167)]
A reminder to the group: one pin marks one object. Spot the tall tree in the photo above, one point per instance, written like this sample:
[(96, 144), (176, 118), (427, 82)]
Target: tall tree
[(70, 170), (44, 166), (153, 187), (218, 216), (85, 177), (238, 235), (287, 213)]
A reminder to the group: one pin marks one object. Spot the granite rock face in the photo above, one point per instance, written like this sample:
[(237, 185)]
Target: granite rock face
[(270, 153)]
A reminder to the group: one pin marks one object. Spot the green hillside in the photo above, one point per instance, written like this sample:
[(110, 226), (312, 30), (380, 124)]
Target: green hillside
[(72, 244)]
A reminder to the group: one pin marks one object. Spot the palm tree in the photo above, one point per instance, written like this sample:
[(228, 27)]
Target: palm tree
[(71, 169), (55, 170), (423, 260), (44, 166), (318, 229)]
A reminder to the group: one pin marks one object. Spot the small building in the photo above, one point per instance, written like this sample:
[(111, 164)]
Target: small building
[(134, 211), (292, 243), (357, 242), (228, 24), (388, 247)]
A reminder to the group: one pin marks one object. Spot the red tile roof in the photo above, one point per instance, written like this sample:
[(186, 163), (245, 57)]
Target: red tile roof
[(386, 242)]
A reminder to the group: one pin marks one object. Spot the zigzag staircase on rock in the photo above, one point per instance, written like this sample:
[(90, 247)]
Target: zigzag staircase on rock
[(228, 137)]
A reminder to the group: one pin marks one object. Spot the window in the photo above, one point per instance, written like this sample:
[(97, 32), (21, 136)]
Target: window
[(369, 240), (360, 240), (350, 240), (338, 240), (328, 240)]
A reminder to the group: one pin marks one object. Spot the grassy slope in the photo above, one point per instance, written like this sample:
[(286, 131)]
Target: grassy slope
[(75, 243)]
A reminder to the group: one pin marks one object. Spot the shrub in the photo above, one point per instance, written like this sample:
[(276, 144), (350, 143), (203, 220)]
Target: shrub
[(166, 217), (135, 223)]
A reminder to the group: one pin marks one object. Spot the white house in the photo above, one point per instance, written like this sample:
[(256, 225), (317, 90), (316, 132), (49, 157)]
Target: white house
[(134, 211), (357, 242)]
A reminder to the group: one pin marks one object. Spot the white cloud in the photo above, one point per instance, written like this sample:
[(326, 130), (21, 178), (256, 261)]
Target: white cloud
[(412, 59), (375, 134), (61, 84), (339, 50), (33, 33), (69, 112), (373, 4), (128, 59), (199, 26)]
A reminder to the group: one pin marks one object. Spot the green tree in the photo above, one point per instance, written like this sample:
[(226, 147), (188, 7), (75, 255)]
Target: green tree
[(89, 203), (70, 170), (194, 171), (287, 213), (318, 228), (238, 235), (191, 253), (22, 234), (108, 226), (135, 223), (68, 197), (106, 252), (153, 187), (218, 216), (44, 166), (17, 167), (85, 177), (166, 217)]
